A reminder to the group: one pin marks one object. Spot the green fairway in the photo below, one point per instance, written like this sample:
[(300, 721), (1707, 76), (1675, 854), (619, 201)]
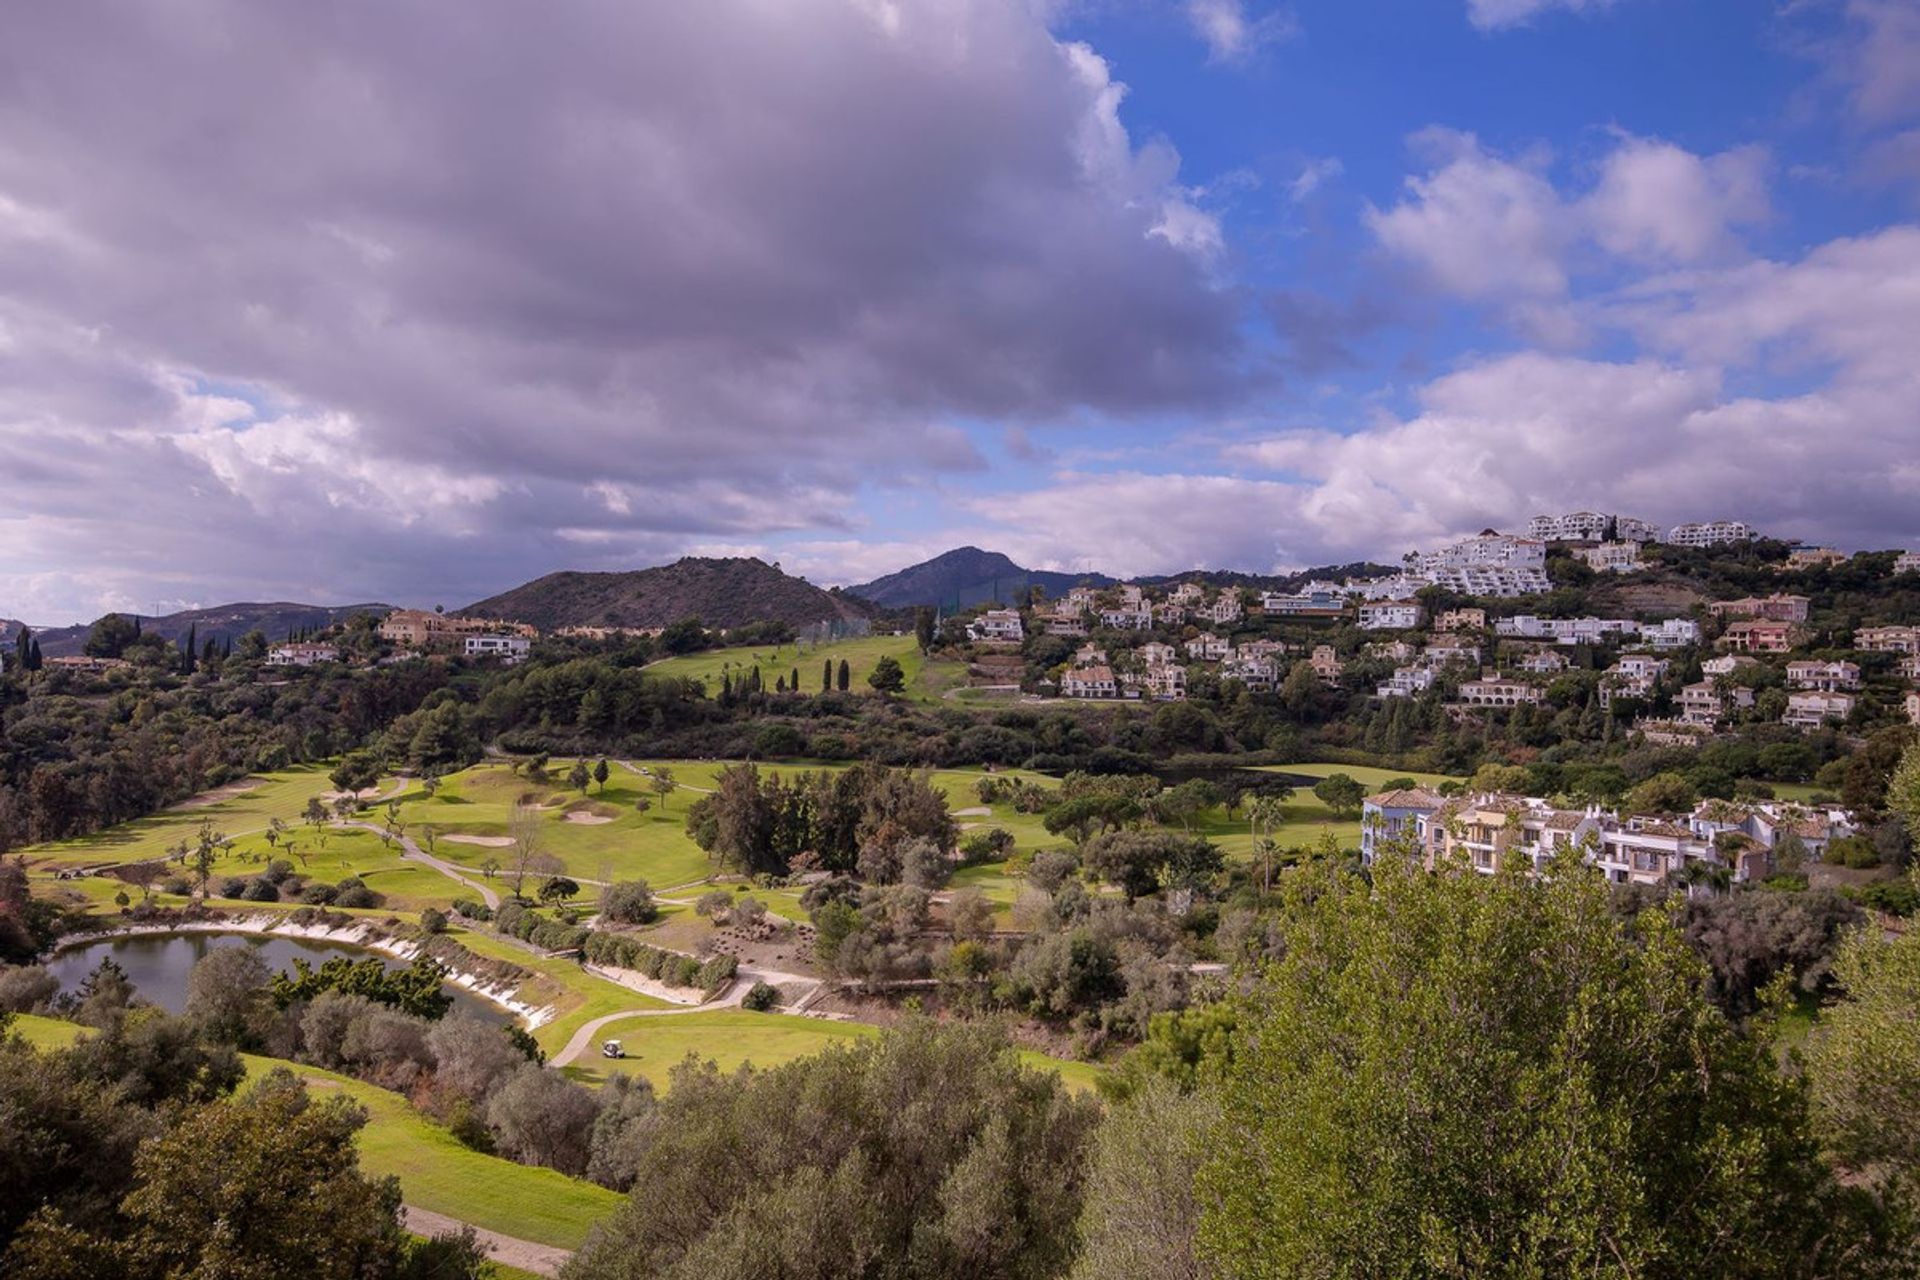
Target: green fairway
[(1367, 775), (731, 1039), (439, 1174), (436, 1172), (777, 661)]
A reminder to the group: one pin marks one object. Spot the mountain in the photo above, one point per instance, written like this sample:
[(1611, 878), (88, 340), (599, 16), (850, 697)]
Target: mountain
[(968, 576), (727, 592), (221, 622)]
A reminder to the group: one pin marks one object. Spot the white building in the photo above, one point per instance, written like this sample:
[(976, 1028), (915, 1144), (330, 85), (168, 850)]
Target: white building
[(1399, 586), (1908, 562), (1672, 633), (1208, 647), (1591, 526), (1391, 615), (1155, 654), (1255, 672), (1493, 581), (509, 649), (1489, 548), (1711, 533), (1127, 618), (1323, 599), (1526, 626), (1811, 710), (1704, 704), (1888, 639), (1497, 691), (997, 624), (1167, 682), (1224, 609), (1542, 662), (1408, 682), (1089, 682), (1611, 557), (1826, 677), (301, 655), (1447, 653)]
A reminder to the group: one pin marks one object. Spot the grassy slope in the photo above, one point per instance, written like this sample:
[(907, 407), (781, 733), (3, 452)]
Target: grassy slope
[(775, 661), (435, 1171)]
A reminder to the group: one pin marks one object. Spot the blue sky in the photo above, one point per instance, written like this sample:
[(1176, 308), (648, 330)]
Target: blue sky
[(1139, 285)]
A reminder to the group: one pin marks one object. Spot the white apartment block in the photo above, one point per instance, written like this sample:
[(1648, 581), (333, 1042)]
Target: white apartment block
[(509, 649), (1155, 654), (1127, 618), (1269, 649), (1727, 663), (1706, 705), (1208, 647), (1257, 673), (997, 624), (1591, 526), (1447, 653), (1496, 691), (1711, 533), (1399, 586), (1826, 677), (1815, 557), (1461, 620), (1811, 710), (1672, 633), (1492, 581), (1167, 682), (1888, 639), (1089, 682), (1611, 557), (1391, 615), (1224, 609), (1407, 682), (1542, 662), (1908, 562), (1500, 549), (1322, 599), (301, 655), (1526, 626)]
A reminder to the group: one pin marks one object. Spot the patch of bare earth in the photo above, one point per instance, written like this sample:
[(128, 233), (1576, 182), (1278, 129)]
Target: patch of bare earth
[(215, 796)]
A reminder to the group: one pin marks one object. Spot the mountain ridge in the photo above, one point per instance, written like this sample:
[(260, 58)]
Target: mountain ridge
[(727, 591)]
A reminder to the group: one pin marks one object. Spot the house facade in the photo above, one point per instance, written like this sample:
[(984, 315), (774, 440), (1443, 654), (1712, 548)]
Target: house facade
[(1392, 615)]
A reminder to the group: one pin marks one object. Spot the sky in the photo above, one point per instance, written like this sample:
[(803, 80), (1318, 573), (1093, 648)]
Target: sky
[(413, 302)]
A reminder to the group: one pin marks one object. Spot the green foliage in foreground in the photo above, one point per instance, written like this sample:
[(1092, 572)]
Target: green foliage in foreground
[(416, 989), (929, 1153), (1449, 1076)]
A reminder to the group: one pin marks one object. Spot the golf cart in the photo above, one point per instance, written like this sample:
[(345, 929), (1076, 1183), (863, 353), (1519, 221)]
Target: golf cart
[(613, 1049)]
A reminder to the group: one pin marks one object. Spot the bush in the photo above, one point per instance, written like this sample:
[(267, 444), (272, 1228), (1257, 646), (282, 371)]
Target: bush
[(318, 895), (24, 988), (628, 902), (352, 893), (230, 887), (713, 976), (433, 920), (277, 870), (761, 997), (261, 890), (472, 909)]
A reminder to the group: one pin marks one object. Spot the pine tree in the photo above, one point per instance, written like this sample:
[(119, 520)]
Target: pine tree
[(846, 675)]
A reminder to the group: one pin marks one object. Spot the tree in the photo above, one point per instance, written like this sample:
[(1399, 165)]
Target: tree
[(1142, 1217), (845, 676), (558, 889), (357, 772), (1903, 790), (579, 776), (1662, 793), (928, 1152), (628, 902), (544, 1118), (923, 623), (110, 636), (660, 780), (1340, 793), (887, 677), (826, 675), (207, 846), (265, 1187), (1401, 1102), (227, 995), (529, 840), (601, 773), (1864, 1057)]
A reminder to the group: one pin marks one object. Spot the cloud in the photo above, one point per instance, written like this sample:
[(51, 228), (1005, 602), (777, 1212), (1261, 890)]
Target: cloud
[(1312, 176), (1656, 202), (1495, 15), (1880, 60), (1492, 228), (1234, 36), (453, 265)]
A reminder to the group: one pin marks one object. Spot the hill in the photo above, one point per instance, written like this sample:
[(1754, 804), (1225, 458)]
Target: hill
[(968, 576), (221, 622), (728, 592)]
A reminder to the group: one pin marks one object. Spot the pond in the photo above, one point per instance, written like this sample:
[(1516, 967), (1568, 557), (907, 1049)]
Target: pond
[(158, 964)]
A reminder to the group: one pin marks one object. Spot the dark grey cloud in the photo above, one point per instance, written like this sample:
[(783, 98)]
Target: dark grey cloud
[(599, 276)]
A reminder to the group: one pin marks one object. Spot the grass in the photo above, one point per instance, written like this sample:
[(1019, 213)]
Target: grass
[(436, 1172), (732, 1039), (576, 995), (776, 661)]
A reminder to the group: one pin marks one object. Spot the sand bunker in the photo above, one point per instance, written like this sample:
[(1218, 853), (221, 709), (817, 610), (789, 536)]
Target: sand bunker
[(587, 819), (218, 794), (485, 842), (978, 811)]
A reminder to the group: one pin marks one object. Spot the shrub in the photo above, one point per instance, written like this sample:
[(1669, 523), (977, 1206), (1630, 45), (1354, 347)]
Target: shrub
[(261, 890), (433, 920), (318, 895), (472, 909), (277, 870), (628, 902), (715, 974), (761, 997), (230, 887), (24, 988), (352, 893)]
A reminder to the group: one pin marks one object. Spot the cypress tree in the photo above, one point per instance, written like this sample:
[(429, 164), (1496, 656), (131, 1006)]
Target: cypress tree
[(846, 675), (826, 675), (189, 646), (33, 658), (793, 679)]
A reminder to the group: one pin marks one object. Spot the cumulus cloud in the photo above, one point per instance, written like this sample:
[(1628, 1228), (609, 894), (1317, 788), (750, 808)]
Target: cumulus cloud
[(450, 266), (1494, 15), (1493, 228), (1232, 34), (1880, 59)]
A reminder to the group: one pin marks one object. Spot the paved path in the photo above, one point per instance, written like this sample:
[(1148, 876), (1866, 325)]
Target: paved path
[(631, 767), (414, 853), (541, 1259), (585, 1037)]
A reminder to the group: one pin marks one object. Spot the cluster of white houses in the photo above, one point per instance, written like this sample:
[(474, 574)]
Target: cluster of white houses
[(1718, 840), (419, 631)]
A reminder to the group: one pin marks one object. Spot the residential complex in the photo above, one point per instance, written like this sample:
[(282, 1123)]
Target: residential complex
[(1711, 533), (1592, 526)]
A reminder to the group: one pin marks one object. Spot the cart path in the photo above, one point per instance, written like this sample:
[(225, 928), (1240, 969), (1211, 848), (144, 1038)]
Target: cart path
[(412, 852), (541, 1259)]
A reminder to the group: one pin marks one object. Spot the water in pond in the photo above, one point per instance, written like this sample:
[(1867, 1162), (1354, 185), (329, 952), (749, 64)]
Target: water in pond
[(158, 964)]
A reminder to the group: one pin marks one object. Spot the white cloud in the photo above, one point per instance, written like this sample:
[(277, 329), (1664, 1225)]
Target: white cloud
[(1234, 36), (1312, 176), (1494, 15), (1881, 59), (1657, 202)]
